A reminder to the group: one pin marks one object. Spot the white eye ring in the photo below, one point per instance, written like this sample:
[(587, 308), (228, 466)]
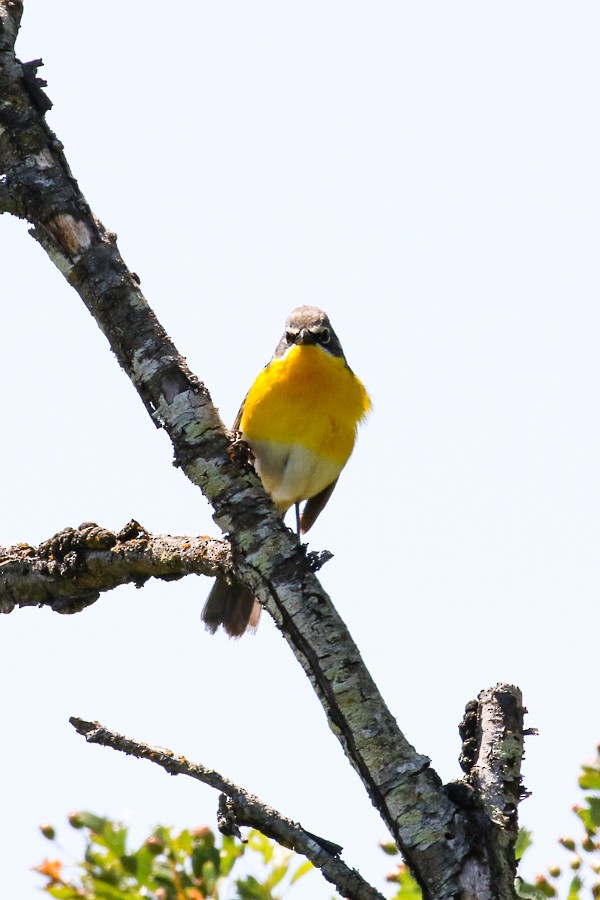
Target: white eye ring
[(325, 336)]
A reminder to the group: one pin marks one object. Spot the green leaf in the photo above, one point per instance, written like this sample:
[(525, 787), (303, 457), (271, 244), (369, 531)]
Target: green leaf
[(62, 892), (523, 842), (594, 803), (590, 779), (115, 838), (251, 889), (183, 842), (230, 852), (408, 887), (93, 822), (108, 874), (144, 861), (590, 815), (202, 856), (528, 891), (276, 874), (209, 876), (262, 845), (163, 874), (301, 871), (130, 863), (163, 834), (574, 889), (104, 891)]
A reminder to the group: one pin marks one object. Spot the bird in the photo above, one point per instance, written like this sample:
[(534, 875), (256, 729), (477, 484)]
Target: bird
[(300, 420)]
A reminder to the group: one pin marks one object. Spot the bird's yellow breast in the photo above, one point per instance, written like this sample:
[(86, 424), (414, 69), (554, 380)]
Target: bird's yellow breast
[(307, 397)]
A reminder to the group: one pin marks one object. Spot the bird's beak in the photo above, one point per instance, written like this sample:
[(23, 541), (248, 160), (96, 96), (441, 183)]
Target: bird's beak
[(305, 337)]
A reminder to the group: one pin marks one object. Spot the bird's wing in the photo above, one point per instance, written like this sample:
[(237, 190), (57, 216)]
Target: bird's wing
[(238, 418)]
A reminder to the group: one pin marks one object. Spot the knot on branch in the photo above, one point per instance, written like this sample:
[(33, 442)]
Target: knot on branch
[(34, 86), (133, 531), (226, 819), (64, 553), (318, 558), (467, 730), (239, 451)]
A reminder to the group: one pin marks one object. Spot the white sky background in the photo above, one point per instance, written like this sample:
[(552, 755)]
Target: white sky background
[(426, 172)]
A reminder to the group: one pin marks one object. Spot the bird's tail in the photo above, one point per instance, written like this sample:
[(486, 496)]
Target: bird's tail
[(232, 606)]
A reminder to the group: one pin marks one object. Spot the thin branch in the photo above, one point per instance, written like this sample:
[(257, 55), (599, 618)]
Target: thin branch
[(244, 807), (70, 570)]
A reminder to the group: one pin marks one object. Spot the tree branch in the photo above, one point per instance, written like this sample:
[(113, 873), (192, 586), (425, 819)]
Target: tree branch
[(70, 570), (431, 828), (242, 808), (496, 771), (493, 737)]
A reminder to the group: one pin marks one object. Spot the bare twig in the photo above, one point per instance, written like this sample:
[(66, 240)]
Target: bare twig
[(243, 808), (70, 570)]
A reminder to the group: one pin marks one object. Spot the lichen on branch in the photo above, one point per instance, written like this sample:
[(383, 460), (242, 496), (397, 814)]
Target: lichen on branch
[(70, 570)]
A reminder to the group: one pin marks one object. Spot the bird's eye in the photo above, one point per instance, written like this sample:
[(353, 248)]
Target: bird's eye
[(325, 336), (290, 336)]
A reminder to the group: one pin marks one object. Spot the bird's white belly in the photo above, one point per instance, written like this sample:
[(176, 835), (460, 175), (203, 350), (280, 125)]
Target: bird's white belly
[(290, 472)]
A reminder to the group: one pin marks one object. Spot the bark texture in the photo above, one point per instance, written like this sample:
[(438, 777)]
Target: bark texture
[(437, 830), (493, 740), (70, 570)]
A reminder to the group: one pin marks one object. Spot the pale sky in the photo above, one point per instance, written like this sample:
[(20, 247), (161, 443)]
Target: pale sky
[(427, 173)]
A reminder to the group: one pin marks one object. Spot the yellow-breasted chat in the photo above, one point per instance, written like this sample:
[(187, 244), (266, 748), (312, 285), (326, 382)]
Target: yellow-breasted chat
[(299, 419)]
